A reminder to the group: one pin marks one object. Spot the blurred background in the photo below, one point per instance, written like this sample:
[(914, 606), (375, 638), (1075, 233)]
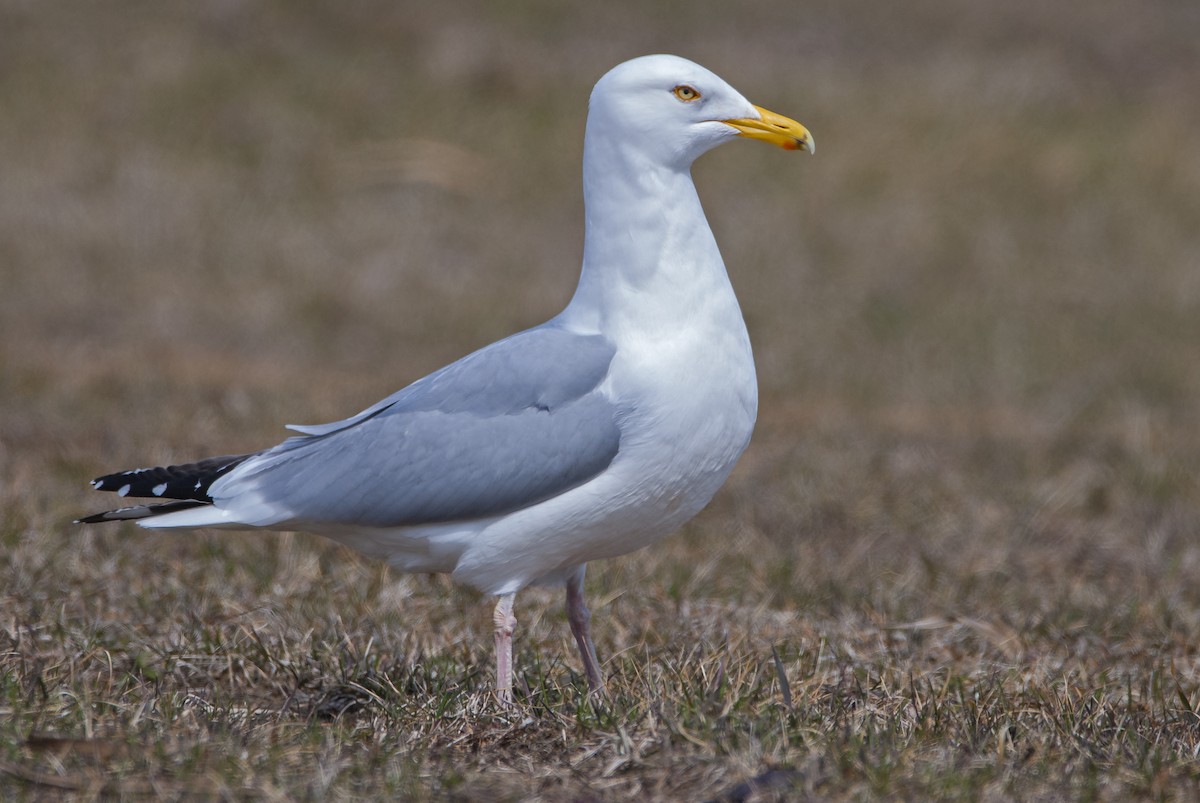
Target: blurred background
[(976, 311)]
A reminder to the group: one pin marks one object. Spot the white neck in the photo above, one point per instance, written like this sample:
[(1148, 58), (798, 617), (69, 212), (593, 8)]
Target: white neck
[(649, 256)]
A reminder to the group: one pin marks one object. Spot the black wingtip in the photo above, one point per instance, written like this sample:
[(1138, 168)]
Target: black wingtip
[(185, 481), (139, 512)]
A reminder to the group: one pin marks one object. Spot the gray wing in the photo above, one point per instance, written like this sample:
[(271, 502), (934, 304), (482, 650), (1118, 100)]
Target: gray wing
[(501, 429)]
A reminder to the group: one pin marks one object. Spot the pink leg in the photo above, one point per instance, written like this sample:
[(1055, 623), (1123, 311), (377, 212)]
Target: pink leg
[(505, 624), (580, 618)]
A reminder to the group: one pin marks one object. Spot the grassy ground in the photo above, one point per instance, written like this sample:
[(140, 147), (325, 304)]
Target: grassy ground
[(960, 560)]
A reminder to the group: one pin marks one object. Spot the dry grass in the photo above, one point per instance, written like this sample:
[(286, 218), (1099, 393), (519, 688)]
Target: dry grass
[(961, 559)]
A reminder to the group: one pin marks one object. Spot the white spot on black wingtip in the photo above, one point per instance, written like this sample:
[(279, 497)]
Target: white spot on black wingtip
[(196, 487), (158, 489), (123, 490), (96, 484)]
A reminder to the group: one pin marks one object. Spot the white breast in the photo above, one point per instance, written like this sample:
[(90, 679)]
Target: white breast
[(690, 398)]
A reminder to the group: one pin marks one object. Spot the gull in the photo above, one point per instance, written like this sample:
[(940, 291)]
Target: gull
[(592, 435)]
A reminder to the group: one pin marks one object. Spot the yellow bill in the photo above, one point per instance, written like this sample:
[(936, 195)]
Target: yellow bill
[(776, 129)]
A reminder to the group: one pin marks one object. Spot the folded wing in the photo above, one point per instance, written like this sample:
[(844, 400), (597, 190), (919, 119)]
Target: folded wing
[(504, 428)]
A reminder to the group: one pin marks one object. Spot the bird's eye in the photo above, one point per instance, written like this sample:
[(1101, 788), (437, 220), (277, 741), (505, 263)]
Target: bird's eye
[(686, 93)]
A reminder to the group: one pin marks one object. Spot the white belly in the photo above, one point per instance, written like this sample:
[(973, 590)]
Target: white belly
[(695, 410), (689, 407)]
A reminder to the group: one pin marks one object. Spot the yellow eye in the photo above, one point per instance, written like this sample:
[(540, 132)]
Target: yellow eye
[(686, 93)]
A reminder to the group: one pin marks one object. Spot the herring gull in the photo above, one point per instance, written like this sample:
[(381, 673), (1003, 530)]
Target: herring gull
[(592, 435)]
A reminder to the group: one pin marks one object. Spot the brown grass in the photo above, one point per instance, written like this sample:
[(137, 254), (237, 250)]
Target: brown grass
[(960, 560)]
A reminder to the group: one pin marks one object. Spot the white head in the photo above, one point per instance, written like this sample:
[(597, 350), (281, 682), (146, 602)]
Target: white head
[(670, 110)]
